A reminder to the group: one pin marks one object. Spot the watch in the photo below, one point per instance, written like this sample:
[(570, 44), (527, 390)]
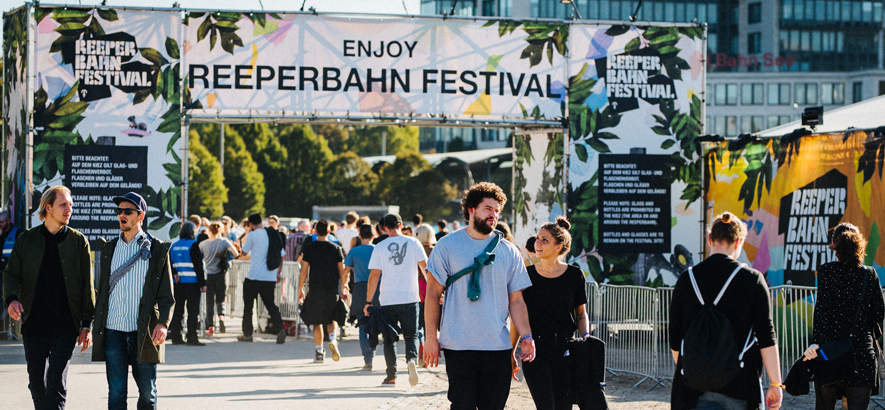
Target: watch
[(369, 302)]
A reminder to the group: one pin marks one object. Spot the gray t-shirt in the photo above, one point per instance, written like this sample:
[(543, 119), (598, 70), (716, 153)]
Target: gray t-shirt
[(480, 324), (209, 249)]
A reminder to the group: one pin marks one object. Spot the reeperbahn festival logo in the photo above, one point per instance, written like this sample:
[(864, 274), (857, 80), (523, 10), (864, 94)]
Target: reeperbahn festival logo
[(634, 75), (806, 216), (104, 61)]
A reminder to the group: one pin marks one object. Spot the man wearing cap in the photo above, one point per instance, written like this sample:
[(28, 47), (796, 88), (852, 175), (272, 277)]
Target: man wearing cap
[(134, 305), (48, 286), (401, 260)]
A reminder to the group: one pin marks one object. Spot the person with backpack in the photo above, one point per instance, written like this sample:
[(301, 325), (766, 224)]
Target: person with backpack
[(217, 254), (264, 253), (849, 307), (721, 331)]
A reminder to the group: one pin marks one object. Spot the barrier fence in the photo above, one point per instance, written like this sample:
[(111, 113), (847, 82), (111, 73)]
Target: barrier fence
[(633, 321)]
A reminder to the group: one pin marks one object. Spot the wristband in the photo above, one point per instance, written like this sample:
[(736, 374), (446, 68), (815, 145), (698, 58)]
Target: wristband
[(585, 334), (778, 385), (368, 302), (528, 336)]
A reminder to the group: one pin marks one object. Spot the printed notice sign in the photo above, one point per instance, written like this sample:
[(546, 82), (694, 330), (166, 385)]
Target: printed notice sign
[(635, 196), (96, 174)]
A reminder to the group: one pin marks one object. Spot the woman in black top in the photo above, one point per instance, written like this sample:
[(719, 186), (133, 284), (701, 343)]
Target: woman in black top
[(839, 288), (555, 303)]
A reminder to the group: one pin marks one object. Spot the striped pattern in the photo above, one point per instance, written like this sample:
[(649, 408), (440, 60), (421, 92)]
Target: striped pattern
[(10, 241), (124, 301)]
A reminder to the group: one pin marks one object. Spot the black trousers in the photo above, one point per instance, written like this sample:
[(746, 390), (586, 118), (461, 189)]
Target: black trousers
[(548, 375), (216, 289), (48, 358), (858, 397), (186, 294), (478, 379), (265, 289)]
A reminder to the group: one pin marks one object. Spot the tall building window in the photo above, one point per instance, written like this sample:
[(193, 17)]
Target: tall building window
[(752, 94), (750, 124), (726, 94), (754, 13), (726, 126), (857, 92), (754, 43), (775, 120), (832, 93), (779, 94), (709, 96), (806, 94)]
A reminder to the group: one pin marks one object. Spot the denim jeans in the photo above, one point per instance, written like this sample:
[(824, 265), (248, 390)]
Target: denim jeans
[(48, 358), (717, 401), (251, 290), (121, 350), (407, 316), (216, 289), (368, 352)]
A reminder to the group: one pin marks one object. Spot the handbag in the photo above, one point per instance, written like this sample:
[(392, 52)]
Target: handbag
[(224, 262), (836, 361)]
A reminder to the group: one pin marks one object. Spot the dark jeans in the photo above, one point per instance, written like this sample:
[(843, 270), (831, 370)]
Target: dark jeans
[(547, 376), (407, 316), (48, 358), (186, 294), (216, 289), (121, 350), (858, 397), (265, 289), (478, 379)]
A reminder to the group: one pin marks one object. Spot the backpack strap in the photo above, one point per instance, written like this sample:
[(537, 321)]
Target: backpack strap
[(697, 291), (484, 259)]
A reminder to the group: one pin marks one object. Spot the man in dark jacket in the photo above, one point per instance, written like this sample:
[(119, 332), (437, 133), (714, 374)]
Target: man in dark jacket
[(48, 285), (134, 306)]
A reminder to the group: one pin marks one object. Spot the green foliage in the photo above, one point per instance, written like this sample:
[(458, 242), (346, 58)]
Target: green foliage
[(524, 157), (303, 182), (222, 25), (427, 193), (394, 176), (337, 136), (873, 155), (54, 125), (366, 141), (350, 181), (542, 39), (206, 193), (271, 158), (244, 183)]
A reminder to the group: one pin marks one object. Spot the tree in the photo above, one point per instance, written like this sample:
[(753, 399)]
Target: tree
[(271, 157), (244, 182), (394, 176), (427, 193), (206, 194), (366, 141), (304, 182), (338, 137), (350, 181)]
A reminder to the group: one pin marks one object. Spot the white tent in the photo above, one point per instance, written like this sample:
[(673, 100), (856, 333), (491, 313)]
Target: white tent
[(864, 115)]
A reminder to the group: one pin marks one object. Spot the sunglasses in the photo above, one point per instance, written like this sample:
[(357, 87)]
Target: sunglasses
[(127, 211)]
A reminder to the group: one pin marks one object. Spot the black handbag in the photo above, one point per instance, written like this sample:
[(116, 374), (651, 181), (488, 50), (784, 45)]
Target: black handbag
[(835, 359)]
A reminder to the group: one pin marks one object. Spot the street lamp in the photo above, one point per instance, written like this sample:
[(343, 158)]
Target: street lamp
[(574, 7)]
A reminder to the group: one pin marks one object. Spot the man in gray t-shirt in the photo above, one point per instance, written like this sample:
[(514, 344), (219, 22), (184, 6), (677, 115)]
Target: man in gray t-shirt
[(473, 333)]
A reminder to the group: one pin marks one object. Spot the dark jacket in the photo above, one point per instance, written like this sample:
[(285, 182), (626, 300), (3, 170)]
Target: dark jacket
[(155, 306), (20, 275)]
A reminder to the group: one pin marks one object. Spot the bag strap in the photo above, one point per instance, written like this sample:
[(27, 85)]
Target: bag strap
[(483, 259), (697, 291), (866, 277)]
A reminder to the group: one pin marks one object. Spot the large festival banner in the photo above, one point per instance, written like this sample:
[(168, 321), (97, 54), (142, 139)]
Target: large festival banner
[(16, 114), (106, 114), (539, 167), (635, 111)]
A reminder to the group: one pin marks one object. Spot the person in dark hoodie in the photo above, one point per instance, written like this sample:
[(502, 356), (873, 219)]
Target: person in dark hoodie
[(189, 279)]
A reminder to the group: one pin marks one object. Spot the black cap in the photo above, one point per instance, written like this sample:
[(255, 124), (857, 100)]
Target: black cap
[(391, 220), (133, 199)]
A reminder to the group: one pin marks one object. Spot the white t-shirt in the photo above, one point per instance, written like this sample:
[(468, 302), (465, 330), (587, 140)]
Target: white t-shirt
[(256, 246), (397, 258), (345, 235)]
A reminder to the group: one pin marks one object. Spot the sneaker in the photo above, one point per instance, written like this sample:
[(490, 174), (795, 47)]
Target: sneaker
[(333, 349), (367, 368), (177, 341), (221, 328), (281, 337), (413, 374), (210, 331), (421, 356), (389, 382), (319, 357), (244, 338)]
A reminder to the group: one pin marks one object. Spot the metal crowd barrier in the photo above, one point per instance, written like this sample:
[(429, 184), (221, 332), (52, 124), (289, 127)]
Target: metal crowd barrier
[(285, 294)]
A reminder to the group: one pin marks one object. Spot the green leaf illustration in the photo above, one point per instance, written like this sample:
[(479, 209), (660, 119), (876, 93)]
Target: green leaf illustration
[(172, 48)]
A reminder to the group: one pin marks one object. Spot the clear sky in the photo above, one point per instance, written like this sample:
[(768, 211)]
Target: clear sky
[(355, 6)]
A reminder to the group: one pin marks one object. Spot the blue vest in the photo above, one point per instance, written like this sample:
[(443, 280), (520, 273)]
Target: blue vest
[(10, 241), (180, 255)]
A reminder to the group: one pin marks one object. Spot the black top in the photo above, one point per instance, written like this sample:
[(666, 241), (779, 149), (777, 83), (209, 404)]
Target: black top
[(746, 303), (379, 239), (50, 311), (839, 288), (323, 258), (551, 302), (440, 234)]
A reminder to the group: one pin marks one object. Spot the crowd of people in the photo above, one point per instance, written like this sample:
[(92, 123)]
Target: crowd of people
[(466, 295)]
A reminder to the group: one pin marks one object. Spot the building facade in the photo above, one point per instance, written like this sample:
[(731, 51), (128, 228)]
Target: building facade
[(766, 59)]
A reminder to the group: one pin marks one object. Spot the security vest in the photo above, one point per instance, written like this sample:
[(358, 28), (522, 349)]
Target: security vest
[(10, 241), (180, 255)]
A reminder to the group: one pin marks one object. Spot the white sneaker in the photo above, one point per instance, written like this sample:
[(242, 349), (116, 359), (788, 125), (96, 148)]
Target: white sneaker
[(413, 374), (333, 350)]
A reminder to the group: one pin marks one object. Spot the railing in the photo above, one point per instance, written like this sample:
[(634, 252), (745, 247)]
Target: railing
[(633, 321), (285, 294)]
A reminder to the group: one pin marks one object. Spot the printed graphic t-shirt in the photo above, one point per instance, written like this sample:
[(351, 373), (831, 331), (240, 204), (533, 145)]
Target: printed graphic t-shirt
[(397, 258)]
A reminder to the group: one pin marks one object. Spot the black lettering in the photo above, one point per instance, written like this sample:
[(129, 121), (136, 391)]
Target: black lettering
[(412, 47), (353, 80), (395, 78), (261, 78), (399, 48), (514, 89), (367, 48), (380, 52), (331, 74), (550, 93), (239, 76), (536, 87), (488, 75), (501, 84), (313, 78), (348, 47), (471, 83), (284, 77), (427, 79), (382, 80), (193, 76), (446, 73), (218, 76)]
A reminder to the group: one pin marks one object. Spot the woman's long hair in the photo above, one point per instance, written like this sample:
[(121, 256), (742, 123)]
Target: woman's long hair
[(849, 244)]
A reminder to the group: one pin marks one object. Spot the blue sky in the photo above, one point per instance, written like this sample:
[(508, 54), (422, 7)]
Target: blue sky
[(355, 6)]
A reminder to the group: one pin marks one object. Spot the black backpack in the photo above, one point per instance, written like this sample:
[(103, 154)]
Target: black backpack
[(709, 356), (274, 246)]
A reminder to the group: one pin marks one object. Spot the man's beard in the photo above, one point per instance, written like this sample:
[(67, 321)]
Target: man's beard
[(482, 227)]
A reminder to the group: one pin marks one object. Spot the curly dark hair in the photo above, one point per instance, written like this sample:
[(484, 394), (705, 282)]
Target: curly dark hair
[(728, 228), (479, 192), (849, 244)]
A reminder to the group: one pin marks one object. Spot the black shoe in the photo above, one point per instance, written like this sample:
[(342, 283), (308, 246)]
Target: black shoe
[(389, 382), (177, 341), (244, 338), (281, 337), (195, 342), (221, 328), (319, 357)]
